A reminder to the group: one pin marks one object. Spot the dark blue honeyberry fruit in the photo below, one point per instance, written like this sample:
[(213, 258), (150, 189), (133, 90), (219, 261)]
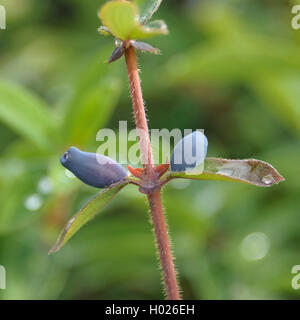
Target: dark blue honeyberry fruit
[(189, 152), (93, 169)]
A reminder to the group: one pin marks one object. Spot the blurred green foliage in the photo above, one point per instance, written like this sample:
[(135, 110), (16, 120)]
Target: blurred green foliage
[(230, 67)]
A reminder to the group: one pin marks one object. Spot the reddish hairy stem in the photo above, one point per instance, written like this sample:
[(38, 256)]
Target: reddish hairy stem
[(139, 111), (151, 177), (163, 245)]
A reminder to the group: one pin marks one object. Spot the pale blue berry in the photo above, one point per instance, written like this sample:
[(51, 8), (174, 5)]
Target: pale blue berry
[(189, 152)]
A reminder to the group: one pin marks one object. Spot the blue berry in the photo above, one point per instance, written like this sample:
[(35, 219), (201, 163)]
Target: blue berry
[(93, 169), (189, 152)]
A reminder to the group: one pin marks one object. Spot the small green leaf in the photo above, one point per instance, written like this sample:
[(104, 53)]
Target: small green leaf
[(26, 114), (94, 106), (249, 171), (119, 17), (87, 213), (122, 19), (147, 9), (156, 27)]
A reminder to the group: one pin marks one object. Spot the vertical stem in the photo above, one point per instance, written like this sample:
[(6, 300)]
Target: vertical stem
[(154, 197), (139, 111), (163, 245)]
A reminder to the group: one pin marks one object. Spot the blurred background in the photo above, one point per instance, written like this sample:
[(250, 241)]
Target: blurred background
[(229, 67)]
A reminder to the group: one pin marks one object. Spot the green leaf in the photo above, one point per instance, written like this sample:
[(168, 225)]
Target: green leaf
[(226, 61), (147, 9), (93, 93), (119, 17), (123, 21), (249, 171), (26, 114), (87, 213), (151, 29), (90, 71), (281, 94), (94, 106)]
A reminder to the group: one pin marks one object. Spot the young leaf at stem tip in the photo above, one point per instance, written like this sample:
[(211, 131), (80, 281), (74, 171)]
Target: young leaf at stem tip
[(117, 53), (121, 18), (145, 47), (147, 9)]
